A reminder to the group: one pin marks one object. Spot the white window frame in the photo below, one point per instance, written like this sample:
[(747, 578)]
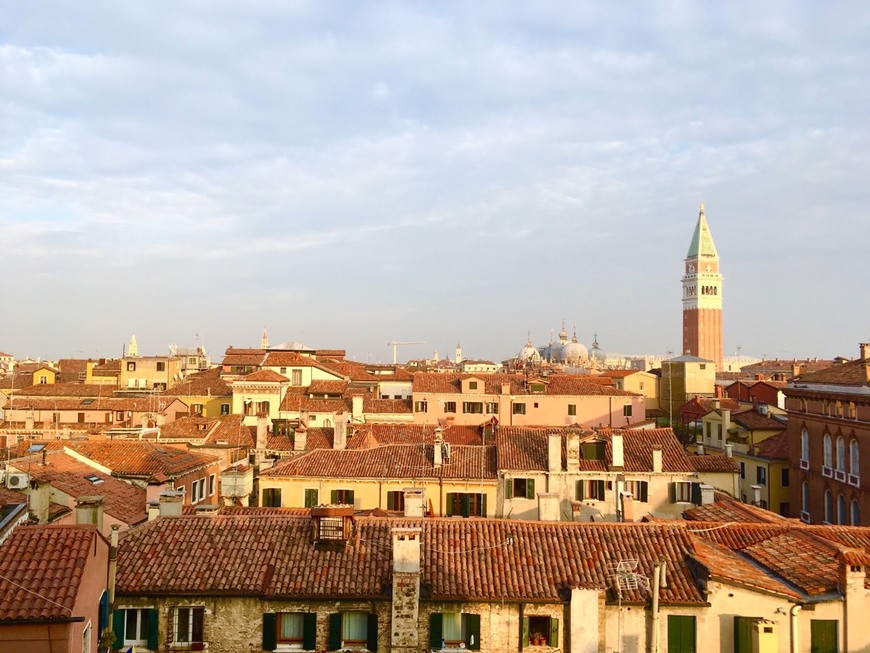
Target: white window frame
[(189, 632), (211, 485), (141, 627), (87, 634)]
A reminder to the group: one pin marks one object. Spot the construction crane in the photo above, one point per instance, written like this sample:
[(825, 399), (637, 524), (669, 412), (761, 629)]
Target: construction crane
[(395, 345)]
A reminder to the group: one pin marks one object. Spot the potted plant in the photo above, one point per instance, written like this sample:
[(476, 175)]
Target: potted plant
[(537, 639)]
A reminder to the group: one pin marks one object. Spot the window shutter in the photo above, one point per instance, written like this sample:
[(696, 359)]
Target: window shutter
[(554, 632), (333, 497), (350, 497), (580, 496), (334, 631), (153, 618), (464, 504), (524, 640), (696, 493), (473, 623), (104, 611), (530, 488), (309, 631), (672, 490), (483, 505), (508, 488), (435, 630), (372, 633), (270, 631), (118, 626), (600, 490), (450, 504), (644, 491)]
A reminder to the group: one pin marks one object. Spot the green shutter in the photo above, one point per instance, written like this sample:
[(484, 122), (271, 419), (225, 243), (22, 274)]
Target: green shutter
[(823, 636), (350, 497), (696, 493), (450, 504), (554, 632), (118, 626), (310, 498), (435, 629), (600, 491), (672, 491), (464, 504), (524, 638), (580, 496), (309, 631), (681, 634), (530, 488), (270, 631), (483, 505), (333, 497), (742, 634), (153, 618), (473, 625), (644, 491), (372, 633), (334, 631), (508, 488)]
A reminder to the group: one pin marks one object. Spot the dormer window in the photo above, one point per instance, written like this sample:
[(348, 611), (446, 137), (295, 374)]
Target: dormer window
[(537, 388), (331, 525)]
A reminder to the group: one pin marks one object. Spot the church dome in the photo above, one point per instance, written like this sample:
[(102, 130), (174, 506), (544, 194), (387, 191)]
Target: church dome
[(573, 352), (529, 353)]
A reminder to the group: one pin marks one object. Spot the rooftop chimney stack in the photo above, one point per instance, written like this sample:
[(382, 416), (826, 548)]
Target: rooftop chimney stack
[(339, 432), (572, 451), (708, 494), (657, 460), (618, 451), (300, 438), (415, 502), (171, 503), (262, 431), (89, 510), (554, 452), (406, 590), (356, 403), (548, 506), (756, 495)]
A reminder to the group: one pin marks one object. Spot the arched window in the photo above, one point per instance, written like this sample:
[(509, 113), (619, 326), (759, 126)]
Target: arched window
[(841, 454), (828, 453), (805, 445), (805, 497), (841, 510), (854, 467), (829, 506), (856, 513)]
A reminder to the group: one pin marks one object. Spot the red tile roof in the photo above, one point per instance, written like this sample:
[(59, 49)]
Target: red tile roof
[(230, 430), (775, 447), (202, 384), (752, 420), (264, 376), (852, 373), (140, 458), (41, 570), (727, 509), (66, 390)]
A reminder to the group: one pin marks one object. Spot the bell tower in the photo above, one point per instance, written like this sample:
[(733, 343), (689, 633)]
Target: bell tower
[(702, 296)]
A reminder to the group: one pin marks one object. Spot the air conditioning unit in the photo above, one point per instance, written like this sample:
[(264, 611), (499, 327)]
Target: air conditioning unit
[(16, 481)]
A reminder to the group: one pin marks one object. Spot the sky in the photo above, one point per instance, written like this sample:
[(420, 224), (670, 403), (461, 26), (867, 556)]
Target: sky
[(347, 174)]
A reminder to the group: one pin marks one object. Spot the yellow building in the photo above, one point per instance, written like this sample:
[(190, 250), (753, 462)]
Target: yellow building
[(45, 375), (685, 377), (149, 372), (206, 393)]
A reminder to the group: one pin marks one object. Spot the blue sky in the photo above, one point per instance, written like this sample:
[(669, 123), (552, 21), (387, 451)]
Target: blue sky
[(351, 173)]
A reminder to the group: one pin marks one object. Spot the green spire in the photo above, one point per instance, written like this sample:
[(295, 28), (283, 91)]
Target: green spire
[(702, 241)]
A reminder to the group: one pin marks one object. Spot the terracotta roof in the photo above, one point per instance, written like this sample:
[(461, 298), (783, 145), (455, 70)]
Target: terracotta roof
[(191, 427), (9, 497), (264, 376), (752, 420), (72, 370), (293, 359), (621, 374), (231, 430), (120, 500), (374, 406), (243, 357), (41, 571), (140, 458), (202, 384), (775, 447), (394, 461), (16, 380), (297, 399), (851, 373), (727, 509), (354, 371), (555, 384), (66, 390), (327, 387), (136, 404)]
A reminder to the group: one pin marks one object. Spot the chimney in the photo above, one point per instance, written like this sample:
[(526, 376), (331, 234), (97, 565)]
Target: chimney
[(627, 507), (207, 510), (356, 404), (405, 631), (505, 388), (153, 510), (89, 510), (262, 431), (763, 409), (657, 460), (339, 432), (554, 452), (437, 452), (171, 503), (548, 506), (729, 450), (756, 495), (796, 369), (300, 438), (707, 494), (726, 422), (852, 568), (39, 499), (572, 447), (415, 502), (717, 404), (699, 448), (864, 347), (618, 452)]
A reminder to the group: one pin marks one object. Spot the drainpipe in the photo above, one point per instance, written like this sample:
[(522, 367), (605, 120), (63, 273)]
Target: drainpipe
[(113, 562), (793, 613), (654, 640)]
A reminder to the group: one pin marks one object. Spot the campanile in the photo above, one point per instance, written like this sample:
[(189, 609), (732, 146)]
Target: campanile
[(702, 296)]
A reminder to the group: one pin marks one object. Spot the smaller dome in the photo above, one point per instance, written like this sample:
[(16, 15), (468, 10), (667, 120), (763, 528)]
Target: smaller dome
[(574, 352)]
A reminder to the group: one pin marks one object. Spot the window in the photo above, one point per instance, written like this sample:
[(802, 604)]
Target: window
[(572, 409), (540, 631), (472, 407), (829, 507), (519, 409), (187, 626), (708, 427), (43, 380), (131, 367), (353, 629), (341, 496), (761, 475), (784, 477), (455, 630), (197, 491), (828, 452), (449, 406), (742, 470), (841, 510), (719, 432), (225, 409), (395, 500), (592, 450), (684, 491), (823, 636), (311, 497), (805, 449), (626, 410), (841, 454), (523, 488), (272, 497), (805, 502), (639, 490), (856, 513), (284, 371), (197, 409), (681, 634), (161, 367), (421, 406), (854, 459), (472, 385), (537, 388), (491, 408), (466, 504), (211, 485), (290, 630), (296, 377), (135, 627), (590, 489)]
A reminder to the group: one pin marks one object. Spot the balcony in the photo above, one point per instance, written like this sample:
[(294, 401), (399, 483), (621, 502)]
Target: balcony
[(827, 472), (805, 516), (854, 481), (805, 463)]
